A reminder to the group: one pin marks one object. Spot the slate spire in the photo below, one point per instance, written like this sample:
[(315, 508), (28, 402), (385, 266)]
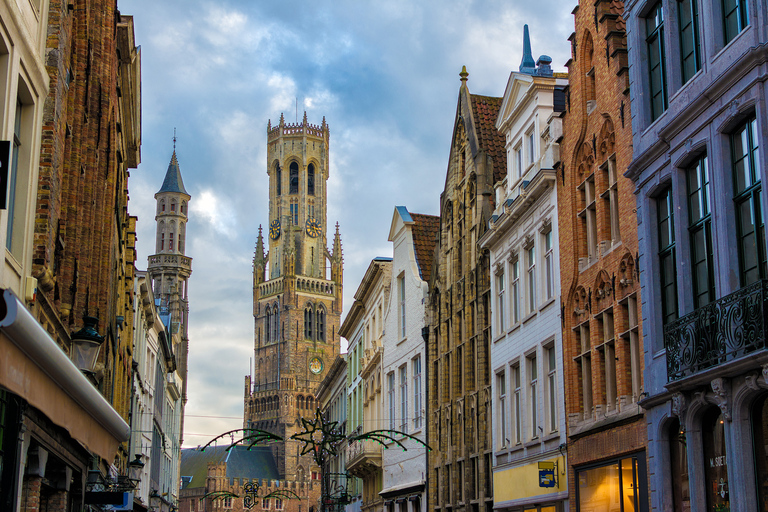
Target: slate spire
[(173, 181), (528, 65)]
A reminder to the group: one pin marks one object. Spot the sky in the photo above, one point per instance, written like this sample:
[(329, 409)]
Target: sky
[(385, 75)]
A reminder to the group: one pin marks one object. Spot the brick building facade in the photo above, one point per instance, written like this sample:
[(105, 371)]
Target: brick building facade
[(602, 338), (458, 348)]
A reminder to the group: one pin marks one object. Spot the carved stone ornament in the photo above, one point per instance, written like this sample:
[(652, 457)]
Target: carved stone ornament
[(765, 373), (751, 382), (721, 397), (678, 405)]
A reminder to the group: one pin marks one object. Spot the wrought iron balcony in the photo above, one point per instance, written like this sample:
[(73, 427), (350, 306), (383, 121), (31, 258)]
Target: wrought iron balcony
[(722, 331)]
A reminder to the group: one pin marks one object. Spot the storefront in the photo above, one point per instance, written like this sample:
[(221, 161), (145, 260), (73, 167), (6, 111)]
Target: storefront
[(540, 486)]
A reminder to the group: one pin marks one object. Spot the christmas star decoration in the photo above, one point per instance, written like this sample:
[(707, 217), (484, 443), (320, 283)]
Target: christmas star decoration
[(319, 436)]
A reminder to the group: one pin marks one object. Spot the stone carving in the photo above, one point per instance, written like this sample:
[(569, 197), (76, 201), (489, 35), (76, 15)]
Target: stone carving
[(678, 405), (719, 386)]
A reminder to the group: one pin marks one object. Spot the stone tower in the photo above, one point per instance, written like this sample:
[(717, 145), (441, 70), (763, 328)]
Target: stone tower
[(169, 269), (297, 293)]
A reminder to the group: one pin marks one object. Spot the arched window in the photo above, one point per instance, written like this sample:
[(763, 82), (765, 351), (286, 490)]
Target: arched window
[(294, 179), (320, 324), (678, 461), (311, 180), (278, 180), (276, 324), (268, 325), (716, 469), (308, 322), (299, 402)]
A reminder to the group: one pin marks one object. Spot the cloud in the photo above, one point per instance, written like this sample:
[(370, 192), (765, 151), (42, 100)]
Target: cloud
[(208, 207)]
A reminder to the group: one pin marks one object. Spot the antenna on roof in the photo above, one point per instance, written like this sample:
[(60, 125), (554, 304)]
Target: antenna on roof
[(297, 109)]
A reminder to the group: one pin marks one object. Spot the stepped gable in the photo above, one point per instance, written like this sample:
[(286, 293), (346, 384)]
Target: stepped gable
[(424, 233), (242, 463), (485, 110)]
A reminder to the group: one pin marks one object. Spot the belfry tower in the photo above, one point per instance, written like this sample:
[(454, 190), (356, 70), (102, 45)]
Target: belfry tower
[(297, 293), (169, 269)]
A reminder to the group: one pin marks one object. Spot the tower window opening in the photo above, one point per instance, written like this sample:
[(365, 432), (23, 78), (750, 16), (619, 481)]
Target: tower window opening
[(278, 180), (173, 206), (320, 325), (308, 323), (294, 178), (170, 241), (311, 180)]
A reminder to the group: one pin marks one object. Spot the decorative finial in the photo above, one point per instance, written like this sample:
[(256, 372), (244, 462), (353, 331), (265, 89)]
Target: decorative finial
[(464, 74), (527, 65), (305, 118), (174, 139)]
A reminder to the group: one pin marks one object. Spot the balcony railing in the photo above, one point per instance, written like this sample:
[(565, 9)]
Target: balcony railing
[(721, 331), (363, 457)]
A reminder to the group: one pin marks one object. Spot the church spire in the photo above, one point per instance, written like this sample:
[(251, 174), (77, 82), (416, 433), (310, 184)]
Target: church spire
[(173, 181), (528, 65)]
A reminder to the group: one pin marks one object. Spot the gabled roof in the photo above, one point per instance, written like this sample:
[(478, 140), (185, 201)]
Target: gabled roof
[(424, 232), (173, 181), (241, 463), (485, 110)]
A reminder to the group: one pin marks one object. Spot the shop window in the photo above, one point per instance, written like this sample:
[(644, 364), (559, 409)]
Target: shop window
[(760, 436), (678, 461), (715, 460), (619, 485)]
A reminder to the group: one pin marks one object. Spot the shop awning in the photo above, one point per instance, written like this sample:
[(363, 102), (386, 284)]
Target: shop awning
[(33, 366)]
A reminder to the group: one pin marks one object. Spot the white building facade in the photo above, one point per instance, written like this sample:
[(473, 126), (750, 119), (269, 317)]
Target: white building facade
[(526, 351), (404, 358)]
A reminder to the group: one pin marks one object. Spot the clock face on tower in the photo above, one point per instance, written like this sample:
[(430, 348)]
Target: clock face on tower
[(314, 229), (274, 229), (315, 365)]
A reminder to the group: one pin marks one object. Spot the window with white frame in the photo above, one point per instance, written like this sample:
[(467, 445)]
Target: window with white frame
[(515, 265), (404, 398), (391, 393), (531, 138), (278, 504), (552, 387), (533, 397), (500, 302), (416, 364), (531, 257), (401, 302), (611, 199), (549, 264), (501, 390), (265, 503), (517, 405), (519, 161)]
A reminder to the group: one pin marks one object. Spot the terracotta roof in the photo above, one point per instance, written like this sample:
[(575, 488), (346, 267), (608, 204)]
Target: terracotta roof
[(485, 109), (424, 232)]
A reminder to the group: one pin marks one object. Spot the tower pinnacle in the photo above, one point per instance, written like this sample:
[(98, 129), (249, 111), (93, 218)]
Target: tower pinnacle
[(527, 65)]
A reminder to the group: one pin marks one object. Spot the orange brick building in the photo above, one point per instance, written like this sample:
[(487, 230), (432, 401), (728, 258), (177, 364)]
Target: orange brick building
[(602, 342)]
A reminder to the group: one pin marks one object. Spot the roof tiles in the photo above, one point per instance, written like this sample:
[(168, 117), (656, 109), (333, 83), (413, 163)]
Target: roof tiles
[(485, 110), (424, 232)]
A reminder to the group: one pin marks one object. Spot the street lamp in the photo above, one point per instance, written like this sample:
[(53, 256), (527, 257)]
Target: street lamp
[(86, 344), (134, 470)]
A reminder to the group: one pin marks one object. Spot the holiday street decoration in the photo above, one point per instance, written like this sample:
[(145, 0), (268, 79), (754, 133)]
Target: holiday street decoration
[(320, 437)]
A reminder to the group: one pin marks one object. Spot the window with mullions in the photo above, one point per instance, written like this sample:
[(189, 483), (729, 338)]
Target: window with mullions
[(501, 411), (278, 180), (293, 179), (294, 213), (654, 39), (615, 485), (700, 229), (667, 276), (735, 18), (308, 317), (688, 25), (749, 216)]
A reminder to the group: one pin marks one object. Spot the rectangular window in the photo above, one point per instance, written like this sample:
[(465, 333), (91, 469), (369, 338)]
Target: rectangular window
[(515, 291), (584, 365), (501, 385), (401, 297), (611, 197), (517, 404), (607, 350), (735, 18), (531, 146), (700, 229), (391, 393), (265, 503), (500, 304), (295, 213), (549, 263), (519, 161), (654, 39), (17, 184), (531, 253), (404, 398), (552, 388), (533, 384), (688, 25), (749, 217), (667, 274), (416, 392), (617, 485), (589, 218)]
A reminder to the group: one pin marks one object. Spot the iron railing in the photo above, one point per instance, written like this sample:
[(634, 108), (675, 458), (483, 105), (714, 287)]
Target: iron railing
[(723, 330)]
